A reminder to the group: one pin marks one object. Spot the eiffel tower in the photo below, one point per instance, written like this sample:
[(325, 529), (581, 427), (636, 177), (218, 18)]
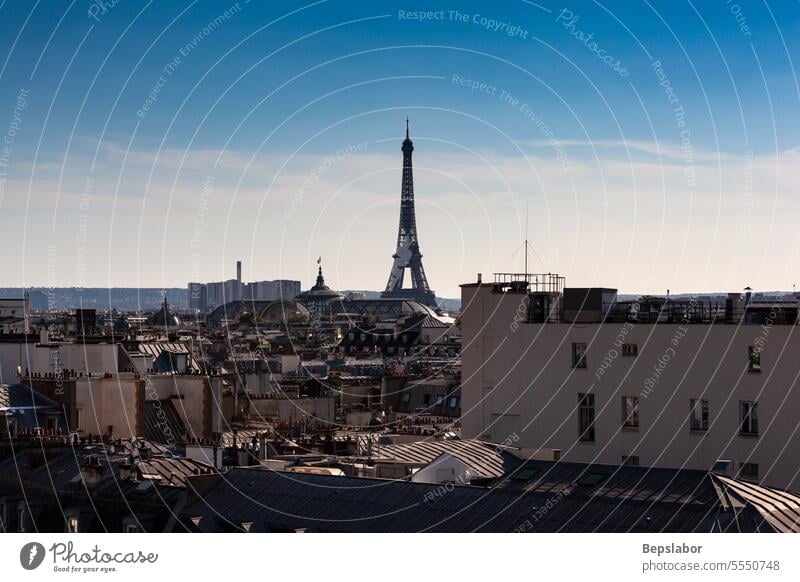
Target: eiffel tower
[(407, 255)]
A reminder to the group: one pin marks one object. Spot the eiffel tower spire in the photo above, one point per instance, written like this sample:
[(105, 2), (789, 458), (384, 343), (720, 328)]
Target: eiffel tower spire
[(408, 255)]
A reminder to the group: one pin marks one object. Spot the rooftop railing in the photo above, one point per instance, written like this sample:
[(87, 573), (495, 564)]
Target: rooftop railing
[(535, 282), (674, 312)]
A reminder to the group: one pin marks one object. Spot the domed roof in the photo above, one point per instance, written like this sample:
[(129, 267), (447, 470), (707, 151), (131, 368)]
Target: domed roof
[(320, 291), (164, 317), (281, 310)]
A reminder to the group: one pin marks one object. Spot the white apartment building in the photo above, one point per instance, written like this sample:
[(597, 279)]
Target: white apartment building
[(15, 314), (660, 382)]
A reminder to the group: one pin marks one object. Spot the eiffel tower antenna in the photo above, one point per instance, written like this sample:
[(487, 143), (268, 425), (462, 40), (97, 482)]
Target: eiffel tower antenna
[(407, 255)]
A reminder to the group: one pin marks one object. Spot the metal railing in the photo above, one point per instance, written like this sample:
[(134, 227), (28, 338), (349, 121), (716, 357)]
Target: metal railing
[(677, 312), (534, 282)]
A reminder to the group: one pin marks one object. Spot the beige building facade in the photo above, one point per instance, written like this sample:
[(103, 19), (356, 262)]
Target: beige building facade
[(680, 391)]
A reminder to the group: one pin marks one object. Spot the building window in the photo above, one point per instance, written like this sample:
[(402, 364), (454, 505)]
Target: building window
[(439, 399), (630, 460), (699, 414), (630, 349), (21, 519), (748, 471), (454, 401), (630, 412), (72, 525), (748, 416), (753, 359), (426, 399), (579, 355), (586, 417), (406, 397)]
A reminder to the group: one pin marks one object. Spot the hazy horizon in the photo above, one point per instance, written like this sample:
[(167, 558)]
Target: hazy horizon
[(153, 148)]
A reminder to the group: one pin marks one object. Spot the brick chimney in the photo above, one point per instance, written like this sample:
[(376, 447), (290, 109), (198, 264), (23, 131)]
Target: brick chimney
[(92, 471)]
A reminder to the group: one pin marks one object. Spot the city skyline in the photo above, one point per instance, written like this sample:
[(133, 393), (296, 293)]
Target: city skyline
[(322, 266), (642, 166)]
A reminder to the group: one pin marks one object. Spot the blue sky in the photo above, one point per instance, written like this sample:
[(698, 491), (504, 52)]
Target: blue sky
[(104, 186)]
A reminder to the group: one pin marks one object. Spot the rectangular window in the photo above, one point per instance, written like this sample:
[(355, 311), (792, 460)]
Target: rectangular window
[(748, 416), (406, 397), (586, 417), (72, 525), (748, 471), (630, 460), (630, 412), (454, 401), (630, 349), (699, 414), (579, 355), (439, 399), (753, 359), (426, 399)]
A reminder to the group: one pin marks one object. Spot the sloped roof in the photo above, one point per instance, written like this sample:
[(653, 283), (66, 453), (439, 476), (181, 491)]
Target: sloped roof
[(426, 320), (155, 349), (22, 396), (780, 508), (174, 471), (59, 468), (559, 497), (486, 459), (162, 423)]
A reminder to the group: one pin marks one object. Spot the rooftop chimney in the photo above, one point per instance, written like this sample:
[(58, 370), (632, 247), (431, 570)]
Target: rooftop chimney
[(92, 470), (238, 280), (144, 452)]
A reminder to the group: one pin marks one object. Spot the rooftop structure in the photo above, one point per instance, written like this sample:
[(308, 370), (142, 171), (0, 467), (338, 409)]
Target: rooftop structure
[(653, 381), (318, 299), (581, 498), (550, 301), (267, 311), (89, 485)]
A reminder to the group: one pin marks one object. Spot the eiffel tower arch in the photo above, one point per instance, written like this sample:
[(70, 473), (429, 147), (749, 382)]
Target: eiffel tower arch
[(407, 256)]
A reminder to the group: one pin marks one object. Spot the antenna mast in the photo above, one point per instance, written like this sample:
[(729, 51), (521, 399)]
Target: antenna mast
[(526, 238)]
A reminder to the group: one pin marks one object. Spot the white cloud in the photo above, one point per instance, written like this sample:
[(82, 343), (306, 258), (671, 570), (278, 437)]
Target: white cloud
[(638, 225)]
